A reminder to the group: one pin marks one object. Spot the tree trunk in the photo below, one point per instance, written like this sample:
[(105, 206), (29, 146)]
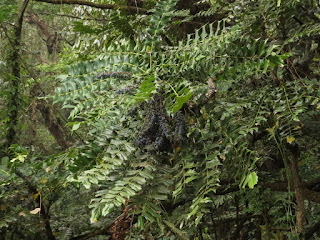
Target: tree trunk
[(295, 180), (14, 97), (53, 124), (51, 39)]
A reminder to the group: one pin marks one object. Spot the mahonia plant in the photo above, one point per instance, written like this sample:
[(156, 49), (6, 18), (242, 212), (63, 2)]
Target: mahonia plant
[(154, 127)]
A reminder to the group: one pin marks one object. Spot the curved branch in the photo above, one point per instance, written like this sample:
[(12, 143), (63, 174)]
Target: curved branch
[(97, 5)]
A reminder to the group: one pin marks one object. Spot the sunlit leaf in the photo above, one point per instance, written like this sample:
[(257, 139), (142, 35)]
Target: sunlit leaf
[(290, 139), (35, 211)]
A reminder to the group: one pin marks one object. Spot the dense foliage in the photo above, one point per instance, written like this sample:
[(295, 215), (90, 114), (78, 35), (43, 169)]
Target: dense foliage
[(159, 119)]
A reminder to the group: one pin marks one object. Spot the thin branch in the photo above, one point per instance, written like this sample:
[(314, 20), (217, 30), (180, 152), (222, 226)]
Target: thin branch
[(69, 16), (97, 5), (95, 233)]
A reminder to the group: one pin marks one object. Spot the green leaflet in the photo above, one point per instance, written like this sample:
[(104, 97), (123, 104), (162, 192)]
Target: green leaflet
[(180, 100), (251, 180), (148, 86)]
